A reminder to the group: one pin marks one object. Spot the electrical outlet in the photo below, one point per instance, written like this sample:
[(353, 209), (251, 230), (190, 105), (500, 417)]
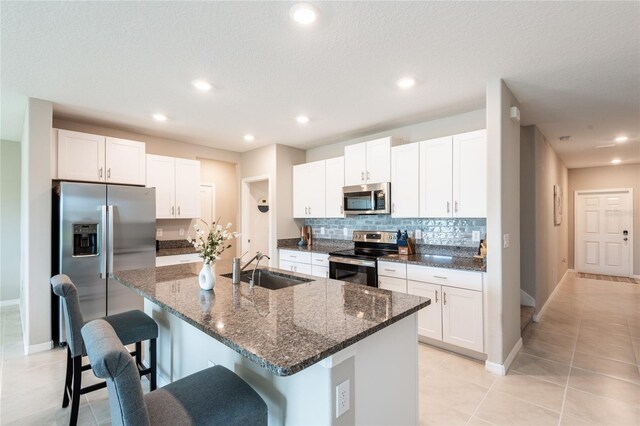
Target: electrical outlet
[(159, 232), (211, 364), (418, 234), (345, 232), (182, 232), (506, 241), (475, 236), (322, 230), (342, 398)]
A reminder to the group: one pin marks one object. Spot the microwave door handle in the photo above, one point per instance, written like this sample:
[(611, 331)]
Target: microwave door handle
[(373, 201)]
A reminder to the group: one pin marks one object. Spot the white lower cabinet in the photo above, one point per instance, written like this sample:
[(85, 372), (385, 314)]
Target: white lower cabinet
[(316, 264), (393, 284), (462, 318), (430, 318)]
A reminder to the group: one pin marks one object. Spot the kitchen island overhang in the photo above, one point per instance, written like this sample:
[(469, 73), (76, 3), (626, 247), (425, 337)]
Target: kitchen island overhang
[(293, 345)]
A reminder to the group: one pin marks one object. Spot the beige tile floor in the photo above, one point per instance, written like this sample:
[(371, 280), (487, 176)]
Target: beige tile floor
[(579, 365)]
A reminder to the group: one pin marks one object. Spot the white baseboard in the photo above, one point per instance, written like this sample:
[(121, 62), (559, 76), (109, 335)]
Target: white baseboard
[(11, 302), (636, 277), (537, 316), (502, 369), (40, 347), (526, 299)]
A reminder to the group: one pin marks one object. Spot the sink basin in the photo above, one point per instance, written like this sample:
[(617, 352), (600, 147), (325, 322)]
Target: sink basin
[(271, 280)]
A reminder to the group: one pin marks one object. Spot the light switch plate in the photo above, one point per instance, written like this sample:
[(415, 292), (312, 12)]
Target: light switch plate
[(506, 240), (475, 236), (182, 232), (342, 398), (345, 232), (322, 230), (418, 234), (159, 232)]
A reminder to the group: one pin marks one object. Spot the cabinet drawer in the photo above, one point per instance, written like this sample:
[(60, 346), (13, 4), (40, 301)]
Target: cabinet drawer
[(320, 259), (450, 277), (320, 271), (177, 259), (392, 269), (393, 284), (295, 256)]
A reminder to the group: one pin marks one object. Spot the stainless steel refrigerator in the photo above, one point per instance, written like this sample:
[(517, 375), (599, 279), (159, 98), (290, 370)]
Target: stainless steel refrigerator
[(98, 229)]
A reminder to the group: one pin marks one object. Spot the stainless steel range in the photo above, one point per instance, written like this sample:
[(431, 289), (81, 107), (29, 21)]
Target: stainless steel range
[(359, 265)]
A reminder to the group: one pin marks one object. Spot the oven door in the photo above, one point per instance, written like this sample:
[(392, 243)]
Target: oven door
[(356, 271)]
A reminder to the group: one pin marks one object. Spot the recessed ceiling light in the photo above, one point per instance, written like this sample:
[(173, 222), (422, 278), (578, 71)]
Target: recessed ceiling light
[(609, 145), (616, 161), (159, 117), (302, 119), (565, 138), (303, 13), (249, 137), (202, 85), (622, 138), (406, 82)]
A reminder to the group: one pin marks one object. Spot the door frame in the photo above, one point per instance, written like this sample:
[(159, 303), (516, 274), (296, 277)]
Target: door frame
[(578, 192), (245, 203), (213, 199)]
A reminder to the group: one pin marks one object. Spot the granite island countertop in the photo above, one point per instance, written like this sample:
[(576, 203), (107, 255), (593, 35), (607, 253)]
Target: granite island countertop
[(439, 261), (283, 331), (324, 249)]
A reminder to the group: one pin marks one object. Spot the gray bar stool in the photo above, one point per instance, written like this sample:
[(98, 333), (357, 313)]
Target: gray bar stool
[(214, 396), (131, 327)]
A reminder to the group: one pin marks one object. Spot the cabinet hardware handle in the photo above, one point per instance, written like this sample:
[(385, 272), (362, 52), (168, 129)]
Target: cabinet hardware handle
[(393, 207), (362, 176), (309, 210), (390, 270), (444, 297), (341, 208), (442, 278), (178, 210), (455, 207), (368, 175), (291, 256), (100, 172), (436, 296), (173, 211), (326, 274), (448, 207), (109, 173)]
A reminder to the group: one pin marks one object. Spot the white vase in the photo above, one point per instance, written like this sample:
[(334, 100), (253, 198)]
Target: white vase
[(207, 278)]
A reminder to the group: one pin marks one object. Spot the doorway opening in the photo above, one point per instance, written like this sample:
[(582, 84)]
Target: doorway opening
[(208, 202), (604, 232), (257, 216)]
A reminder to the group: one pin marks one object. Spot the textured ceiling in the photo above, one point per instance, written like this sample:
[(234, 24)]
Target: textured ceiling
[(574, 66)]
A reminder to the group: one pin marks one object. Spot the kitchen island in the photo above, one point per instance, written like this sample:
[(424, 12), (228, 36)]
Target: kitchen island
[(293, 345)]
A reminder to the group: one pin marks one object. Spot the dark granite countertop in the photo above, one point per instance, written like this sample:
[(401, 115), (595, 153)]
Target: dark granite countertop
[(325, 249), (175, 251), (437, 261), (284, 331)]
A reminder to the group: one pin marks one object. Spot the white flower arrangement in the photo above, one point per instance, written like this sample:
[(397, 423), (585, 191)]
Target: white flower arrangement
[(212, 242)]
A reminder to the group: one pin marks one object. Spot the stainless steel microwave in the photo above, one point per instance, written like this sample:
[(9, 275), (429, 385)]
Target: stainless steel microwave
[(367, 199)]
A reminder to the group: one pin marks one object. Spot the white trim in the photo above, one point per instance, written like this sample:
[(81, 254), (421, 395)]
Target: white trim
[(526, 299), (244, 194), (538, 315), (502, 369), (10, 302), (40, 347), (636, 277), (575, 214)]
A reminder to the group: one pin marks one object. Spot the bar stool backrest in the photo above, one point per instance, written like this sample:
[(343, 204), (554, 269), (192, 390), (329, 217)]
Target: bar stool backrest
[(64, 287), (111, 361)]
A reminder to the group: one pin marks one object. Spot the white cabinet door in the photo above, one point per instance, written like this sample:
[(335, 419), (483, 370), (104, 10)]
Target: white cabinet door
[(286, 265), (429, 318), (405, 163), (125, 161), (436, 177), (470, 174), (462, 318), (378, 161), (334, 181), (355, 164), (302, 268), (81, 156), (299, 191), (315, 190), (161, 176), (187, 188), (320, 271), (394, 284)]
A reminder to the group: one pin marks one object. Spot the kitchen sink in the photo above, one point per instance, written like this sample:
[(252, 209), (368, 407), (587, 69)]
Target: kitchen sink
[(271, 280)]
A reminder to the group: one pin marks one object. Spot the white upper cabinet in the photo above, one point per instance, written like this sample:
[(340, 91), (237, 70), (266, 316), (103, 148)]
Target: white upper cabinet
[(470, 174), (309, 190), (125, 161), (436, 177), (81, 156), (334, 181), (453, 176), (177, 183), (368, 162), (95, 158), (405, 163)]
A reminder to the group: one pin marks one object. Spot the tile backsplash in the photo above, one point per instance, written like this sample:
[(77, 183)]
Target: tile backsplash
[(439, 232)]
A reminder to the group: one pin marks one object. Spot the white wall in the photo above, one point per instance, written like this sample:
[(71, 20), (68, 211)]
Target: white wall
[(607, 177), (503, 217), (9, 220), (35, 229), (286, 158), (446, 126)]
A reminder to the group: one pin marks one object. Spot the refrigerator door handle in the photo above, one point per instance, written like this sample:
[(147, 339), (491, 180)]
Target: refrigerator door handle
[(110, 244), (103, 242)]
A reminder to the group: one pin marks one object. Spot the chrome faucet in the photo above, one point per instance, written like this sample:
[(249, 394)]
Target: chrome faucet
[(258, 257)]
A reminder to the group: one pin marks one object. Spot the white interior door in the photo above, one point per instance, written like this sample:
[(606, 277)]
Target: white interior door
[(603, 234), (208, 203)]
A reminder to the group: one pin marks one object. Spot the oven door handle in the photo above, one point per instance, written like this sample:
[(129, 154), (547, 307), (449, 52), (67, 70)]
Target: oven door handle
[(349, 261)]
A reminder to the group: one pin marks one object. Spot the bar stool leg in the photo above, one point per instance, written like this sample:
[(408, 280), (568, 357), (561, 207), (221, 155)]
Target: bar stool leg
[(75, 394), (152, 360), (139, 355), (67, 380)]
